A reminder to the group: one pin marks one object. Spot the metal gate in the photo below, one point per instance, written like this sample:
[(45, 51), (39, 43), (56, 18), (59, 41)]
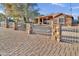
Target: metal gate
[(21, 25), (70, 34), (41, 29)]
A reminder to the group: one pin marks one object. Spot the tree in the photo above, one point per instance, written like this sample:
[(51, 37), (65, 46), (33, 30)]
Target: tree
[(8, 9), (28, 10), (11, 12), (25, 11), (2, 16)]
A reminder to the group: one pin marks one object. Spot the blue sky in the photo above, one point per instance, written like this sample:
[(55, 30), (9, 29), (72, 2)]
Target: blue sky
[(49, 8), (1, 9)]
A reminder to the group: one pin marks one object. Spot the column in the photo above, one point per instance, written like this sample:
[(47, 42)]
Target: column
[(38, 20), (42, 20)]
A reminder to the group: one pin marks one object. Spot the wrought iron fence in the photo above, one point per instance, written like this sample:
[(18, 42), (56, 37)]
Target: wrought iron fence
[(41, 29), (70, 34)]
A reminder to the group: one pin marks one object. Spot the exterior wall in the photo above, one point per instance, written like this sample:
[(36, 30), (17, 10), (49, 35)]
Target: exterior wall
[(57, 19), (68, 21), (35, 21), (48, 21)]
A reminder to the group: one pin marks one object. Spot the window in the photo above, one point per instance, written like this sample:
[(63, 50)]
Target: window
[(61, 21)]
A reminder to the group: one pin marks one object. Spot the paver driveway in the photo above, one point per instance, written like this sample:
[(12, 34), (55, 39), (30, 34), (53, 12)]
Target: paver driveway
[(18, 43)]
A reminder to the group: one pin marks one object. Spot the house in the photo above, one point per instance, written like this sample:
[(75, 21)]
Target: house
[(59, 18), (63, 19), (78, 20), (43, 19)]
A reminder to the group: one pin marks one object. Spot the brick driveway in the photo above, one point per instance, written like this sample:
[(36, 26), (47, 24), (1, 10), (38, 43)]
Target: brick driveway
[(18, 43)]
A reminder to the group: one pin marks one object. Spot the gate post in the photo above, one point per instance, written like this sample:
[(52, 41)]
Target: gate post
[(28, 28), (56, 32)]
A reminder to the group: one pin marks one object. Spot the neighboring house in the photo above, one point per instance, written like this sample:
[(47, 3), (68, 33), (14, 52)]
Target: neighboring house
[(78, 20), (59, 18)]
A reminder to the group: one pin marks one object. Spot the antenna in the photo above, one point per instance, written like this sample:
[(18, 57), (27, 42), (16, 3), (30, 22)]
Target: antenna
[(71, 8)]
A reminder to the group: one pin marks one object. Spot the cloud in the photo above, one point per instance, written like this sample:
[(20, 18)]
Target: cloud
[(59, 4)]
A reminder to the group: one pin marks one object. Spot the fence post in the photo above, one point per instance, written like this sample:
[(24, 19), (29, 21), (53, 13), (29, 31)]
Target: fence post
[(56, 33)]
